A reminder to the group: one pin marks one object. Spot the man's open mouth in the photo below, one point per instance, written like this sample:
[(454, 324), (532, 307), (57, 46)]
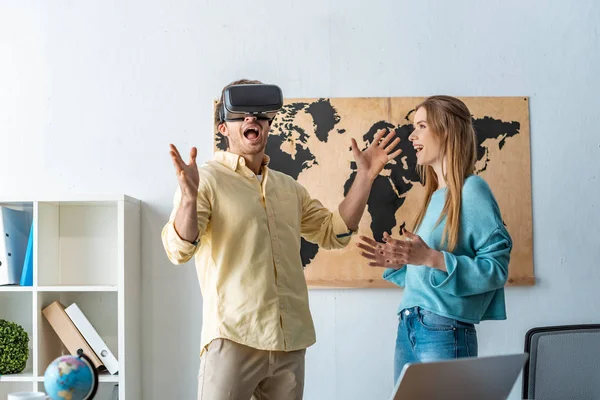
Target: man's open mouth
[(251, 133)]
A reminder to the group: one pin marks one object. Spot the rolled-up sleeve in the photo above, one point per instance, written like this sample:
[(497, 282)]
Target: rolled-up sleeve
[(396, 276), (178, 250), (321, 225), (487, 271)]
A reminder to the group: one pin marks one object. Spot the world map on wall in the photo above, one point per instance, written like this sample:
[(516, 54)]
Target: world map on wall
[(304, 124)]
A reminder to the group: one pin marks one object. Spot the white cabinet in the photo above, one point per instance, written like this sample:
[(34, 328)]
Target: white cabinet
[(86, 251)]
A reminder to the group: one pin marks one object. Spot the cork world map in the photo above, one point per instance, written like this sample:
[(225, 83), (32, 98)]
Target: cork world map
[(310, 141)]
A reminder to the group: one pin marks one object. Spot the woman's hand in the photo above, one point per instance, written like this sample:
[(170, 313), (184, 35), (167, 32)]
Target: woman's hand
[(374, 252), (396, 253)]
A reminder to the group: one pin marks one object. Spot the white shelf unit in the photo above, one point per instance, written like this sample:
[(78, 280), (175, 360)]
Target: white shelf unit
[(88, 252)]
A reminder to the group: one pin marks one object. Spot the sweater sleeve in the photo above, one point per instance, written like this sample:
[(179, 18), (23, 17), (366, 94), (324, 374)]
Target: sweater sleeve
[(396, 276), (487, 271)]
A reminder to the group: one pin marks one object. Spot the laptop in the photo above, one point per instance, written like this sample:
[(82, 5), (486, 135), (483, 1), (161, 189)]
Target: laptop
[(473, 378)]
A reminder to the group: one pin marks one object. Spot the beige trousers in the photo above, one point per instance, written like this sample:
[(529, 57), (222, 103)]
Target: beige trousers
[(231, 371)]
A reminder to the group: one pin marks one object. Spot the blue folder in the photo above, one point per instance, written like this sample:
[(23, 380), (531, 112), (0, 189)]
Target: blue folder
[(27, 274)]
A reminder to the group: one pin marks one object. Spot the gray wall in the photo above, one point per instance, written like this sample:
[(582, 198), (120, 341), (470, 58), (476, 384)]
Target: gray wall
[(92, 92)]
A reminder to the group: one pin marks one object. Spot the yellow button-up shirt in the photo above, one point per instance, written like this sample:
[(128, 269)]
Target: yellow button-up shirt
[(248, 253)]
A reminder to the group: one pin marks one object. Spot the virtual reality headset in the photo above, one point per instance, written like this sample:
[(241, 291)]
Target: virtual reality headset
[(260, 100)]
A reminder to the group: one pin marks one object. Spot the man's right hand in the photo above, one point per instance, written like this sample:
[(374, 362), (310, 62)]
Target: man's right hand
[(187, 174)]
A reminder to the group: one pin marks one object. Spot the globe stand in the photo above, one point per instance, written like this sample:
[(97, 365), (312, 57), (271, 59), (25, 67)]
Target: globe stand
[(92, 393)]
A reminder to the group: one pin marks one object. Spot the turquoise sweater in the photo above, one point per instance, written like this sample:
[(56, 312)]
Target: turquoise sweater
[(472, 289)]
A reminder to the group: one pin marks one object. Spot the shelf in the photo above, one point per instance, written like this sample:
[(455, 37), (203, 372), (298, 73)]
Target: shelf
[(108, 378), (99, 307), (105, 390), (16, 289), (16, 307), (61, 288), (18, 205), (79, 243), (87, 251), (82, 288), (25, 376), (85, 199), (103, 377)]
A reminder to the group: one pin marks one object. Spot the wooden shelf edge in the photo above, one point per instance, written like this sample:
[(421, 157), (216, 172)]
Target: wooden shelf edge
[(382, 284), (521, 281)]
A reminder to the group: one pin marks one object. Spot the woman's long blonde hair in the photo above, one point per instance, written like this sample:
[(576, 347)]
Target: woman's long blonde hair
[(450, 119)]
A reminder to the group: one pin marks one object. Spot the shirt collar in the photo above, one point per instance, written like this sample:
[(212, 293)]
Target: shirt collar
[(232, 160)]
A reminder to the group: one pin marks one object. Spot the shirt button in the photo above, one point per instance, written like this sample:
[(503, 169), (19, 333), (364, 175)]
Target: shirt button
[(281, 306), (407, 312)]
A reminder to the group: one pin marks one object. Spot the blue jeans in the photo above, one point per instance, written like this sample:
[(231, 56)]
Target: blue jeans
[(424, 337)]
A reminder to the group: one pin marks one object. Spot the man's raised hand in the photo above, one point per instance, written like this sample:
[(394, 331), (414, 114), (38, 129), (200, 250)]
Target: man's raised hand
[(187, 174)]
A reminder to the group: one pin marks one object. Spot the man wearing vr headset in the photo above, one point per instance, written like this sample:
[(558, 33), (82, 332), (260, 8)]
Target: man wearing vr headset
[(242, 222)]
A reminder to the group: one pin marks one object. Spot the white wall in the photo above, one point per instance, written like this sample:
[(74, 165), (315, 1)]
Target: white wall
[(92, 92)]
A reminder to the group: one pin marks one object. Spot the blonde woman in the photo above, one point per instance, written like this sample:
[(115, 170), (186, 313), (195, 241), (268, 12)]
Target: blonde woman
[(454, 267)]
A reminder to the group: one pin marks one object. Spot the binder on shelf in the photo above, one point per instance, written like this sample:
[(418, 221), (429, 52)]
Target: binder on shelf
[(67, 332), (115, 393), (27, 273), (15, 226), (91, 336)]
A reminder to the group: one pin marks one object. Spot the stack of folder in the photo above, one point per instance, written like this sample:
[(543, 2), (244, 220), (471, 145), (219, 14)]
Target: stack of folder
[(76, 332)]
